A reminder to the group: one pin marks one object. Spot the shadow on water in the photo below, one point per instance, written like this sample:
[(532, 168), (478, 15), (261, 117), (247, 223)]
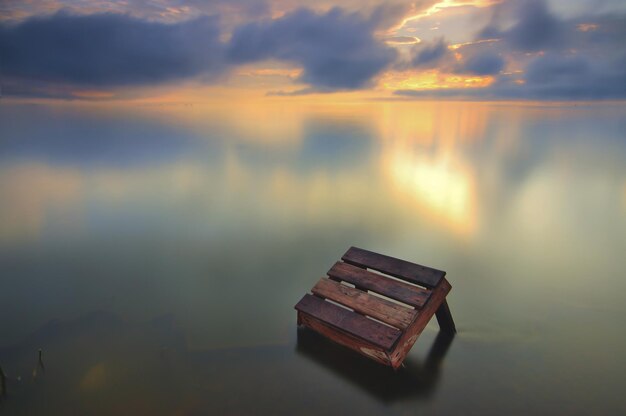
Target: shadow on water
[(414, 379), (148, 367)]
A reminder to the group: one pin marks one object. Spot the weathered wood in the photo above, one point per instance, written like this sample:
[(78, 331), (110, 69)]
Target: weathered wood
[(349, 322), (409, 336), (411, 272), (444, 318), (366, 304), (326, 311), (362, 347), (394, 289)]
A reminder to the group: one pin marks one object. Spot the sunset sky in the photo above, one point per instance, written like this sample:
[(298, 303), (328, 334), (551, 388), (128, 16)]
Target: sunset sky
[(198, 50)]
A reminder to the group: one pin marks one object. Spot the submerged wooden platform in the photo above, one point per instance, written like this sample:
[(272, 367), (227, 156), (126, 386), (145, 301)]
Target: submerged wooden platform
[(376, 305)]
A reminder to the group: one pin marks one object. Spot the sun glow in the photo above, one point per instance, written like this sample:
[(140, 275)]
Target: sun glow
[(445, 4), (441, 186), (422, 160), (430, 80), (477, 42)]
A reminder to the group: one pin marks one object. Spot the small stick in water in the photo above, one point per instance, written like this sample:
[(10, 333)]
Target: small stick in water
[(3, 383), (43, 368)]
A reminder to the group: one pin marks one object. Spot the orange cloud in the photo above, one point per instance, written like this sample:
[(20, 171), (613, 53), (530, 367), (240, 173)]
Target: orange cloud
[(587, 27), (445, 4), (432, 79)]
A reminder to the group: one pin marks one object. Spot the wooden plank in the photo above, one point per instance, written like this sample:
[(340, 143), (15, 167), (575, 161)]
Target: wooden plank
[(366, 304), (410, 335), (349, 322), (365, 280), (362, 347), (411, 272)]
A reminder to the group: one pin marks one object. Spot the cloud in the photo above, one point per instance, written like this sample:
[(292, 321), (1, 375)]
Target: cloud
[(337, 50), (553, 68), (53, 56), (487, 63), (402, 40), (475, 60), (526, 49), (552, 76), (429, 55), (109, 50), (576, 77), (388, 14), (536, 27), (534, 54)]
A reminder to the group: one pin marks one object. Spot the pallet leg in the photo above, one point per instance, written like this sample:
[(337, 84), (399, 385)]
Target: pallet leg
[(444, 318)]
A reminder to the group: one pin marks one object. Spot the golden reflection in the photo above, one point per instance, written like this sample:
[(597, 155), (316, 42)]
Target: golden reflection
[(94, 378), (45, 198), (255, 119), (446, 124), (34, 193), (317, 197), (420, 151), (422, 160), (442, 187), (269, 120)]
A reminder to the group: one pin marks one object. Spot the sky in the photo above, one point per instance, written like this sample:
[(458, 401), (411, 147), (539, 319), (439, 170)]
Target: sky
[(556, 50)]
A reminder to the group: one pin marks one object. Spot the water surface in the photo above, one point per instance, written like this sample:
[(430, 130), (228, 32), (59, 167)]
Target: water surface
[(155, 254)]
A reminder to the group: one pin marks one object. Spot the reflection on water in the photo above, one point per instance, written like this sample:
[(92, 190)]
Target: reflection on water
[(218, 219), (437, 185), (411, 380)]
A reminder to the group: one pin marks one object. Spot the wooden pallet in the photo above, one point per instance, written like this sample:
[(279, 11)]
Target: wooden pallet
[(347, 306)]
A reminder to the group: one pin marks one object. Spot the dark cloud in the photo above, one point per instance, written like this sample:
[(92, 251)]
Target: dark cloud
[(428, 55), (582, 58), (536, 27), (388, 14), (337, 50), (483, 64), (576, 77), (554, 68), (549, 57), (474, 59), (108, 50), (552, 76), (50, 56)]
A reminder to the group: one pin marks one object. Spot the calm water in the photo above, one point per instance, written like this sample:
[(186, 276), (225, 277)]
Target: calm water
[(155, 254)]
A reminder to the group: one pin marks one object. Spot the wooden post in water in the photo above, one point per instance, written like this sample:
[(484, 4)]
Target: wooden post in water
[(3, 383), (43, 368)]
